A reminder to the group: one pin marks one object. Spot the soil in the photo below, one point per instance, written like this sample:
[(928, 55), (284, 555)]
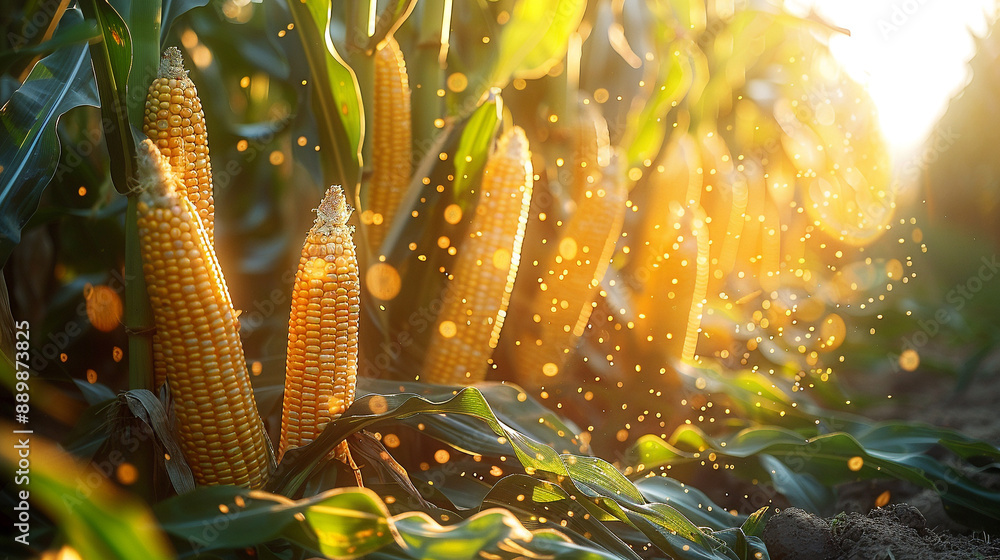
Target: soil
[(915, 526), (897, 532)]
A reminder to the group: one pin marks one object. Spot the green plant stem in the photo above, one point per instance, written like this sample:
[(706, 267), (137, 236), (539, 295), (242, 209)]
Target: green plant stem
[(144, 15), (429, 68), (138, 314), (139, 326)]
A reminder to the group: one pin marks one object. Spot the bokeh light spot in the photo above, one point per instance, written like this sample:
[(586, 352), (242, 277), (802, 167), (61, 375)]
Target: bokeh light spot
[(448, 329), (453, 214), (383, 281), (104, 307), (909, 360)]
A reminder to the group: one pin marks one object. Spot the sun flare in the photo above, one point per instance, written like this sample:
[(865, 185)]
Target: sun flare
[(911, 56)]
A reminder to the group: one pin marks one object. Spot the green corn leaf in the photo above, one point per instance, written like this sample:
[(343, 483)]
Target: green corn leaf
[(690, 501), (97, 520), (349, 523), (535, 38), (112, 60), (754, 525), (520, 493), (171, 10), (346, 523), (422, 537), (143, 16), (885, 450), (680, 66), (606, 493), (336, 95), (67, 36), (30, 147), (474, 145), (227, 517), (511, 405), (802, 489)]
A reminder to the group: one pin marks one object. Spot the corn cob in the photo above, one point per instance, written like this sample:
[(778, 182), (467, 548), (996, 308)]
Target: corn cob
[(321, 365), (677, 183), (726, 192), (391, 138), (221, 433), (475, 304), (568, 286), (699, 229), (664, 267), (770, 249), (749, 251), (174, 120)]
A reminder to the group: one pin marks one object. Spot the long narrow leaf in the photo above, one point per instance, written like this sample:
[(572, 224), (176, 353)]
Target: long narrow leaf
[(144, 16), (587, 478), (112, 60), (30, 147), (887, 450), (520, 493), (535, 38), (345, 523), (474, 145), (95, 518), (173, 9), (337, 97), (226, 517), (79, 32)]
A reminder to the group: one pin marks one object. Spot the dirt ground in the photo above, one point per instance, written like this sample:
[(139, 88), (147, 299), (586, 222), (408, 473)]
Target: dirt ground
[(897, 531), (914, 525)]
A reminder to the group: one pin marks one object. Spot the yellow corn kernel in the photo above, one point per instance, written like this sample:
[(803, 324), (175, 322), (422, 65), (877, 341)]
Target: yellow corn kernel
[(699, 229), (221, 433), (391, 138), (664, 269), (175, 121), (578, 260), (321, 365), (475, 303)]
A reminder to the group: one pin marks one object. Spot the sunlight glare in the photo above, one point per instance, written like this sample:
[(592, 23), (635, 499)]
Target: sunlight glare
[(910, 54)]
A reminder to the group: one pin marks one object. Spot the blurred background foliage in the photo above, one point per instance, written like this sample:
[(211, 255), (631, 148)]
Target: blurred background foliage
[(766, 271)]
